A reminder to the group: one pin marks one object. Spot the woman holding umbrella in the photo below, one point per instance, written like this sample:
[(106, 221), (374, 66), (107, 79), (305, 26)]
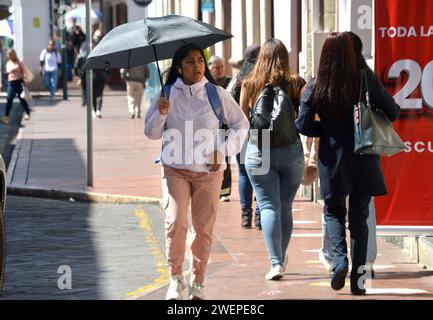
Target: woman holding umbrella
[(189, 114)]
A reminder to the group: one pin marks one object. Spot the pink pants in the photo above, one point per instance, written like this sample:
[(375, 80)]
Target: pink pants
[(203, 189)]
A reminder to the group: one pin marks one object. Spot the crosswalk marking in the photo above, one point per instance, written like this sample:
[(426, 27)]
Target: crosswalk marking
[(304, 222), (306, 235)]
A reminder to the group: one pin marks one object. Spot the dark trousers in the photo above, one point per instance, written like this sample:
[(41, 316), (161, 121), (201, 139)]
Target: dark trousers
[(335, 216), (98, 92), (15, 88), (226, 186)]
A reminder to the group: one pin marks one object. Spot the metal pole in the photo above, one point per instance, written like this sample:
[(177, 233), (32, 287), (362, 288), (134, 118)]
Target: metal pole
[(65, 78), (89, 98), (51, 19)]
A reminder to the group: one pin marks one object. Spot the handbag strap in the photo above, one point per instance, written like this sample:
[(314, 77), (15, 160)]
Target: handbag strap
[(361, 87), (21, 69)]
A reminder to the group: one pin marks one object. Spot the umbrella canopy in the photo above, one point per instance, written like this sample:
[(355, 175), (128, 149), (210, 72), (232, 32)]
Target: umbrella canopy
[(80, 13), (6, 29), (151, 39)]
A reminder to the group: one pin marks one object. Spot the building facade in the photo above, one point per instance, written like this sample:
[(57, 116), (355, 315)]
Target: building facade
[(301, 24)]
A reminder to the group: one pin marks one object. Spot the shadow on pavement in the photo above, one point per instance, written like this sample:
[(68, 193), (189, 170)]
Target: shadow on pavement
[(45, 238)]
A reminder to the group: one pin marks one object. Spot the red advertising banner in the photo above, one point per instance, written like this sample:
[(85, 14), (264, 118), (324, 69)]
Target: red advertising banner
[(404, 64)]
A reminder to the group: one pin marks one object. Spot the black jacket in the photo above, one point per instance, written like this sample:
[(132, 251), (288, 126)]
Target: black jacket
[(342, 172)]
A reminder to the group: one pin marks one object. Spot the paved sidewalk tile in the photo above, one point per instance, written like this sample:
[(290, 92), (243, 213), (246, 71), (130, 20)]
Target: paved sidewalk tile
[(53, 155)]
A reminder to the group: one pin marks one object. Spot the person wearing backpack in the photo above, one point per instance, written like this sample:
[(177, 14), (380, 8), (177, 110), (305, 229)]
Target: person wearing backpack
[(189, 117), (50, 60), (274, 158)]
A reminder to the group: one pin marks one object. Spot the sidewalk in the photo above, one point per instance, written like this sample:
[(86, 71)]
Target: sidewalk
[(51, 154)]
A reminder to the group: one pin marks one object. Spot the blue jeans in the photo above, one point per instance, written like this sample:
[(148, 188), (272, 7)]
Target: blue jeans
[(245, 188), (50, 81), (15, 88), (371, 244), (275, 192)]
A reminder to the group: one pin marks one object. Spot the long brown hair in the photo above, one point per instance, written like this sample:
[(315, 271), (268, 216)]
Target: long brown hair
[(337, 84), (12, 55), (272, 67)]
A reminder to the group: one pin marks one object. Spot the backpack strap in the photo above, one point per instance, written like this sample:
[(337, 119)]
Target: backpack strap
[(212, 94), (214, 99), (167, 91)]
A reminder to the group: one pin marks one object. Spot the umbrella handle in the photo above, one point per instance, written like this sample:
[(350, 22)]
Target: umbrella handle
[(159, 72)]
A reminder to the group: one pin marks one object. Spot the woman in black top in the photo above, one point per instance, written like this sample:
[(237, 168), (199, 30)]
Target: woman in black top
[(332, 95)]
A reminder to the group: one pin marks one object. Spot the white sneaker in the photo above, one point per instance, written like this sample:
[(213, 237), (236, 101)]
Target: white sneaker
[(224, 199), (177, 285), (196, 291), (93, 114), (276, 273), (98, 114), (324, 262)]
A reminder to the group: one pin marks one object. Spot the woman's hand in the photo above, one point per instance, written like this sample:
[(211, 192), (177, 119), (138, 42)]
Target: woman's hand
[(163, 105), (218, 159)]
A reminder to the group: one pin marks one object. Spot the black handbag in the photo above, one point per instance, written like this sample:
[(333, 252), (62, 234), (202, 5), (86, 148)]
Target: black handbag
[(374, 133)]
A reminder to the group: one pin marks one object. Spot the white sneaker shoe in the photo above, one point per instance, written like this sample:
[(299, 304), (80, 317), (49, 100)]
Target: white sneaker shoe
[(276, 273), (93, 114), (324, 262), (177, 285), (98, 114), (196, 291)]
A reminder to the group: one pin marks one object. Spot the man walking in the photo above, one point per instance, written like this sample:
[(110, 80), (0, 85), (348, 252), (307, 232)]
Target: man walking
[(50, 63), (135, 83)]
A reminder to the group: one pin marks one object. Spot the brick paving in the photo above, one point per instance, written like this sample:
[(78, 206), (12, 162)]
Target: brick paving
[(52, 154)]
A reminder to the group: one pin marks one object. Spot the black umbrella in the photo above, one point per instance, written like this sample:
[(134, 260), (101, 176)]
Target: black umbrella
[(152, 39)]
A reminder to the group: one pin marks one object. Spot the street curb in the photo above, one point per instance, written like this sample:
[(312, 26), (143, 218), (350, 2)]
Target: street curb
[(418, 249), (73, 195), (66, 194), (14, 158)]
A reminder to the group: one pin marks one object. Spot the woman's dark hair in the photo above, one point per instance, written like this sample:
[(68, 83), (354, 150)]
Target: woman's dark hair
[(172, 74), (357, 46), (337, 82)]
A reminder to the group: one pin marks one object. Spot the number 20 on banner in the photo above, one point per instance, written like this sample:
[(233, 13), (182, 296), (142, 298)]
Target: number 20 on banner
[(415, 76)]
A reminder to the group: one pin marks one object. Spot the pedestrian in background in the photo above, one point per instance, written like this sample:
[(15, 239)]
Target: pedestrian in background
[(98, 81), (276, 189), (16, 70), (50, 60), (198, 182), (135, 83), (332, 95), (217, 70), (244, 185), (79, 63), (325, 254), (70, 57), (78, 38)]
